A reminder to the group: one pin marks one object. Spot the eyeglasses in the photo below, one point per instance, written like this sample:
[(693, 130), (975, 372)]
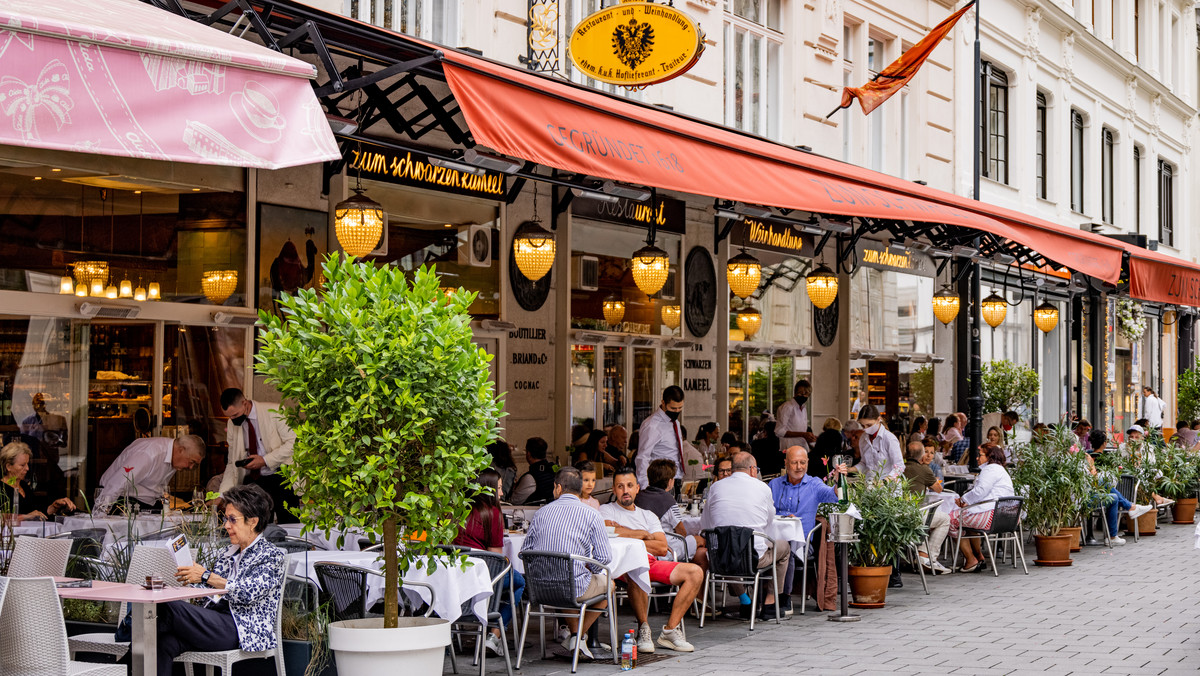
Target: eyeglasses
[(230, 518)]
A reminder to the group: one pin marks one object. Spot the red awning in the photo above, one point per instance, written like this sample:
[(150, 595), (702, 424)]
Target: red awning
[(575, 129), (1162, 278)]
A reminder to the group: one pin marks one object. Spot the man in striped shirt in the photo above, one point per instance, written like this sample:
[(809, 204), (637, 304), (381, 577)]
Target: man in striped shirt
[(568, 526)]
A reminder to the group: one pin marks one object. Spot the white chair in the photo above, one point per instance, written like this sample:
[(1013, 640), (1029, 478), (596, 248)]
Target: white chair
[(225, 659), (39, 557), (157, 561), (33, 637)]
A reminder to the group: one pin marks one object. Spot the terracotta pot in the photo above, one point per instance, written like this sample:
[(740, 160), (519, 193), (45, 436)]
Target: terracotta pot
[(869, 585), (1076, 534), (1147, 523), (1184, 511), (1053, 550)]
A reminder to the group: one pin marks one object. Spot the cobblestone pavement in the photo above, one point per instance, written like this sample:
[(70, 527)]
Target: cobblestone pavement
[(1130, 610)]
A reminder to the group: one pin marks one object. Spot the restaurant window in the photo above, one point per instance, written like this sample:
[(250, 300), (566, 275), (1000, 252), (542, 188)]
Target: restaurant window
[(783, 302), (438, 229), (898, 316), (433, 20), (1076, 161), (1166, 203), (1106, 176), (1052, 363), (848, 121), (600, 269), (1137, 189), (612, 400), (737, 394), (672, 369), (752, 46), (574, 11), (644, 390), (995, 120), (583, 384), (1040, 158)]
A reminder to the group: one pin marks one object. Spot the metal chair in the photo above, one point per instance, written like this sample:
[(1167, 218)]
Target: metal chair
[(292, 545), (344, 589), (467, 624), (145, 560), (808, 554), (550, 585), (1128, 486), (927, 512), (33, 637), (747, 573), (39, 557), (1006, 527), (84, 541), (225, 659)]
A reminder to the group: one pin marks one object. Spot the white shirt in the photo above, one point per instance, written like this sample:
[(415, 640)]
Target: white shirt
[(658, 437), (992, 483), (858, 404), (1153, 409), (791, 417), (693, 463), (633, 519), (265, 470), (740, 500), (150, 471), (881, 456)]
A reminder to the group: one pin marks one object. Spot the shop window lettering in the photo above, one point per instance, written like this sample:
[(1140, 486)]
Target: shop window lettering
[(1184, 288), (697, 363), (595, 143), (407, 167)]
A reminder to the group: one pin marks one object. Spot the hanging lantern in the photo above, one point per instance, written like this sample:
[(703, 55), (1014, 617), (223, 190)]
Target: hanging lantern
[(533, 249), (81, 290), (66, 285), (945, 304), (749, 321), (1046, 317), (358, 223), (139, 293), (126, 289), (744, 272), (650, 268), (152, 292), (822, 287), (994, 309), (88, 272), (670, 316), (97, 287), (110, 292), (614, 310), (219, 285)]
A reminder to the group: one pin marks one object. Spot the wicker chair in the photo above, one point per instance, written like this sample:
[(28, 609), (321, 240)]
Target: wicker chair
[(39, 557), (748, 573), (225, 659), (1006, 527), (550, 586), (145, 560), (33, 637), (344, 589)]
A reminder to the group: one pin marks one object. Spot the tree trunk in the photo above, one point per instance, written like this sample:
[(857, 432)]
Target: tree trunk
[(391, 576)]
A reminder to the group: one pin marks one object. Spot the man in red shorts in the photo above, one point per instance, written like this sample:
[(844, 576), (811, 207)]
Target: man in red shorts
[(641, 524)]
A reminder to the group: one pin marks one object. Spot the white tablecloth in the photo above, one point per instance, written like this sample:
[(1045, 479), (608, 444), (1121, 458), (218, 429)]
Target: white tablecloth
[(789, 529), (452, 586), (946, 498), (326, 543), (37, 529), (118, 527), (629, 558)]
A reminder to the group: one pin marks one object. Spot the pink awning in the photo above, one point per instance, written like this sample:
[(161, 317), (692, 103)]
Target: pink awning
[(120, 77)]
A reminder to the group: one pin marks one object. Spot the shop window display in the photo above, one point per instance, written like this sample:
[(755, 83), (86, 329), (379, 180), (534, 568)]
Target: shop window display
[(600, 269)]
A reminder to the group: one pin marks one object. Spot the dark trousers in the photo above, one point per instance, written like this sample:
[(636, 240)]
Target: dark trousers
[(280, 493), (183, 627)]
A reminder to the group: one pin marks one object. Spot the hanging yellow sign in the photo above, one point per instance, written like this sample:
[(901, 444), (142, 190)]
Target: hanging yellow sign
[(635, 44)]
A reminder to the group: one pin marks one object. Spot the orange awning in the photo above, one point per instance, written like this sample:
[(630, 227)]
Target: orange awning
[(579, 130), (1162, 278)]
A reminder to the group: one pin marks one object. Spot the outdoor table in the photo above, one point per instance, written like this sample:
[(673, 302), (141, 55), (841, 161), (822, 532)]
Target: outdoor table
[(629, 557), (144, 648), (37, 529), (781, 528), (946, 498), (117, 528), (452, 586), (326, 543)]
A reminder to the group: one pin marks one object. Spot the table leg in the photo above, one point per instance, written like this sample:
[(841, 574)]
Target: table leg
[(144, 648)]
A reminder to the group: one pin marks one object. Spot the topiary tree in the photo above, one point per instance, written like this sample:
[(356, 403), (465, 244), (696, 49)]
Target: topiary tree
[(1188, 397), (393, 407), (1007, 386), (921, 382)]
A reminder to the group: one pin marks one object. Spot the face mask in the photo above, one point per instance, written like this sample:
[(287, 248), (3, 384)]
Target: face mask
[(673, 415), (239, 420), (873, 429), (800, 400)]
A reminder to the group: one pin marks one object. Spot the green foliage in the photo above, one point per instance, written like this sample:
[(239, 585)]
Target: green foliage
[(1054, 476), (1007, 386), (1188, 396), (921, 382), (891, 520), (1179, 470), (391, 404)]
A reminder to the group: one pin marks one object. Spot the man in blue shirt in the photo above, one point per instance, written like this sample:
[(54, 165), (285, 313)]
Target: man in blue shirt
[(797, 494)]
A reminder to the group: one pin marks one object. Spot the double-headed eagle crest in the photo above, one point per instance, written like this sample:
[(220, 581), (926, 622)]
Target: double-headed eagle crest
[(633, 42)]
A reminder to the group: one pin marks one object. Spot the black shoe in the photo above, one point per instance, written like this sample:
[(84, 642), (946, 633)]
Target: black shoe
[(744, 612), (894, 581), (785, 604)]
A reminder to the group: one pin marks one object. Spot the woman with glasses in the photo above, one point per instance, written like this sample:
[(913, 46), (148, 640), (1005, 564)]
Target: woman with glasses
[(251, 573)]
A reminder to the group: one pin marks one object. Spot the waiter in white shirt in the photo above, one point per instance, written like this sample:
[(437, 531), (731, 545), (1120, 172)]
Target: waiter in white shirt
[(1153, 408), (261, 441), (143, 471), (659, 436), (791, 420), (879, 448)]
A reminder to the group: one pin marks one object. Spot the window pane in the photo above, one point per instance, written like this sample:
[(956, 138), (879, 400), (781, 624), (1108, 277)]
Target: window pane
[(756, 58), (781, 382), (760, 391), (737, 393), (739, 79), (583, 383), (643, 385), (613, 405)]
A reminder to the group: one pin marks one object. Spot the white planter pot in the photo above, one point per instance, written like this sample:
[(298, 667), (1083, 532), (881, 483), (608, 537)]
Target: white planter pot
[(415, 648)]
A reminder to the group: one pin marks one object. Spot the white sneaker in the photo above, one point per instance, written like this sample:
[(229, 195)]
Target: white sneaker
[(645, 641), (1116, 540), (564, 634), (939, 569), (672, 639), (569, 644), (493, 644), (1138, 510)]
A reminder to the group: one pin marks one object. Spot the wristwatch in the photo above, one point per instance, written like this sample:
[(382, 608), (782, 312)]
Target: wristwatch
[(204, 577)]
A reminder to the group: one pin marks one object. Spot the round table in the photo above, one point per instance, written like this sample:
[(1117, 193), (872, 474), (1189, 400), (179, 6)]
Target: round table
[(452, 586), (629, 557)]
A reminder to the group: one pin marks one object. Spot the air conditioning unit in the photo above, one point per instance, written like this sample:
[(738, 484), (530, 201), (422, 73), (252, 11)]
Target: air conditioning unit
[(231, 319), (585, 273), (106, 311), (476, 251), (669, 289)]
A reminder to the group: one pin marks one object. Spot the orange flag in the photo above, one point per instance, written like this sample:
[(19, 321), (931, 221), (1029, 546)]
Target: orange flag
[(893, 78)]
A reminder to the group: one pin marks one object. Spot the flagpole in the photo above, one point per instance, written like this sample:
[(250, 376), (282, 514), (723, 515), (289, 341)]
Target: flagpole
[(975, 400)]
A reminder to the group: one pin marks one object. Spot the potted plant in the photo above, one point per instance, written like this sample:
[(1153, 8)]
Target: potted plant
[(1142, 461), (393, 409), (1178, 481), (1187, 398), (891, 521), (1056, 481), (1008, 386)]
